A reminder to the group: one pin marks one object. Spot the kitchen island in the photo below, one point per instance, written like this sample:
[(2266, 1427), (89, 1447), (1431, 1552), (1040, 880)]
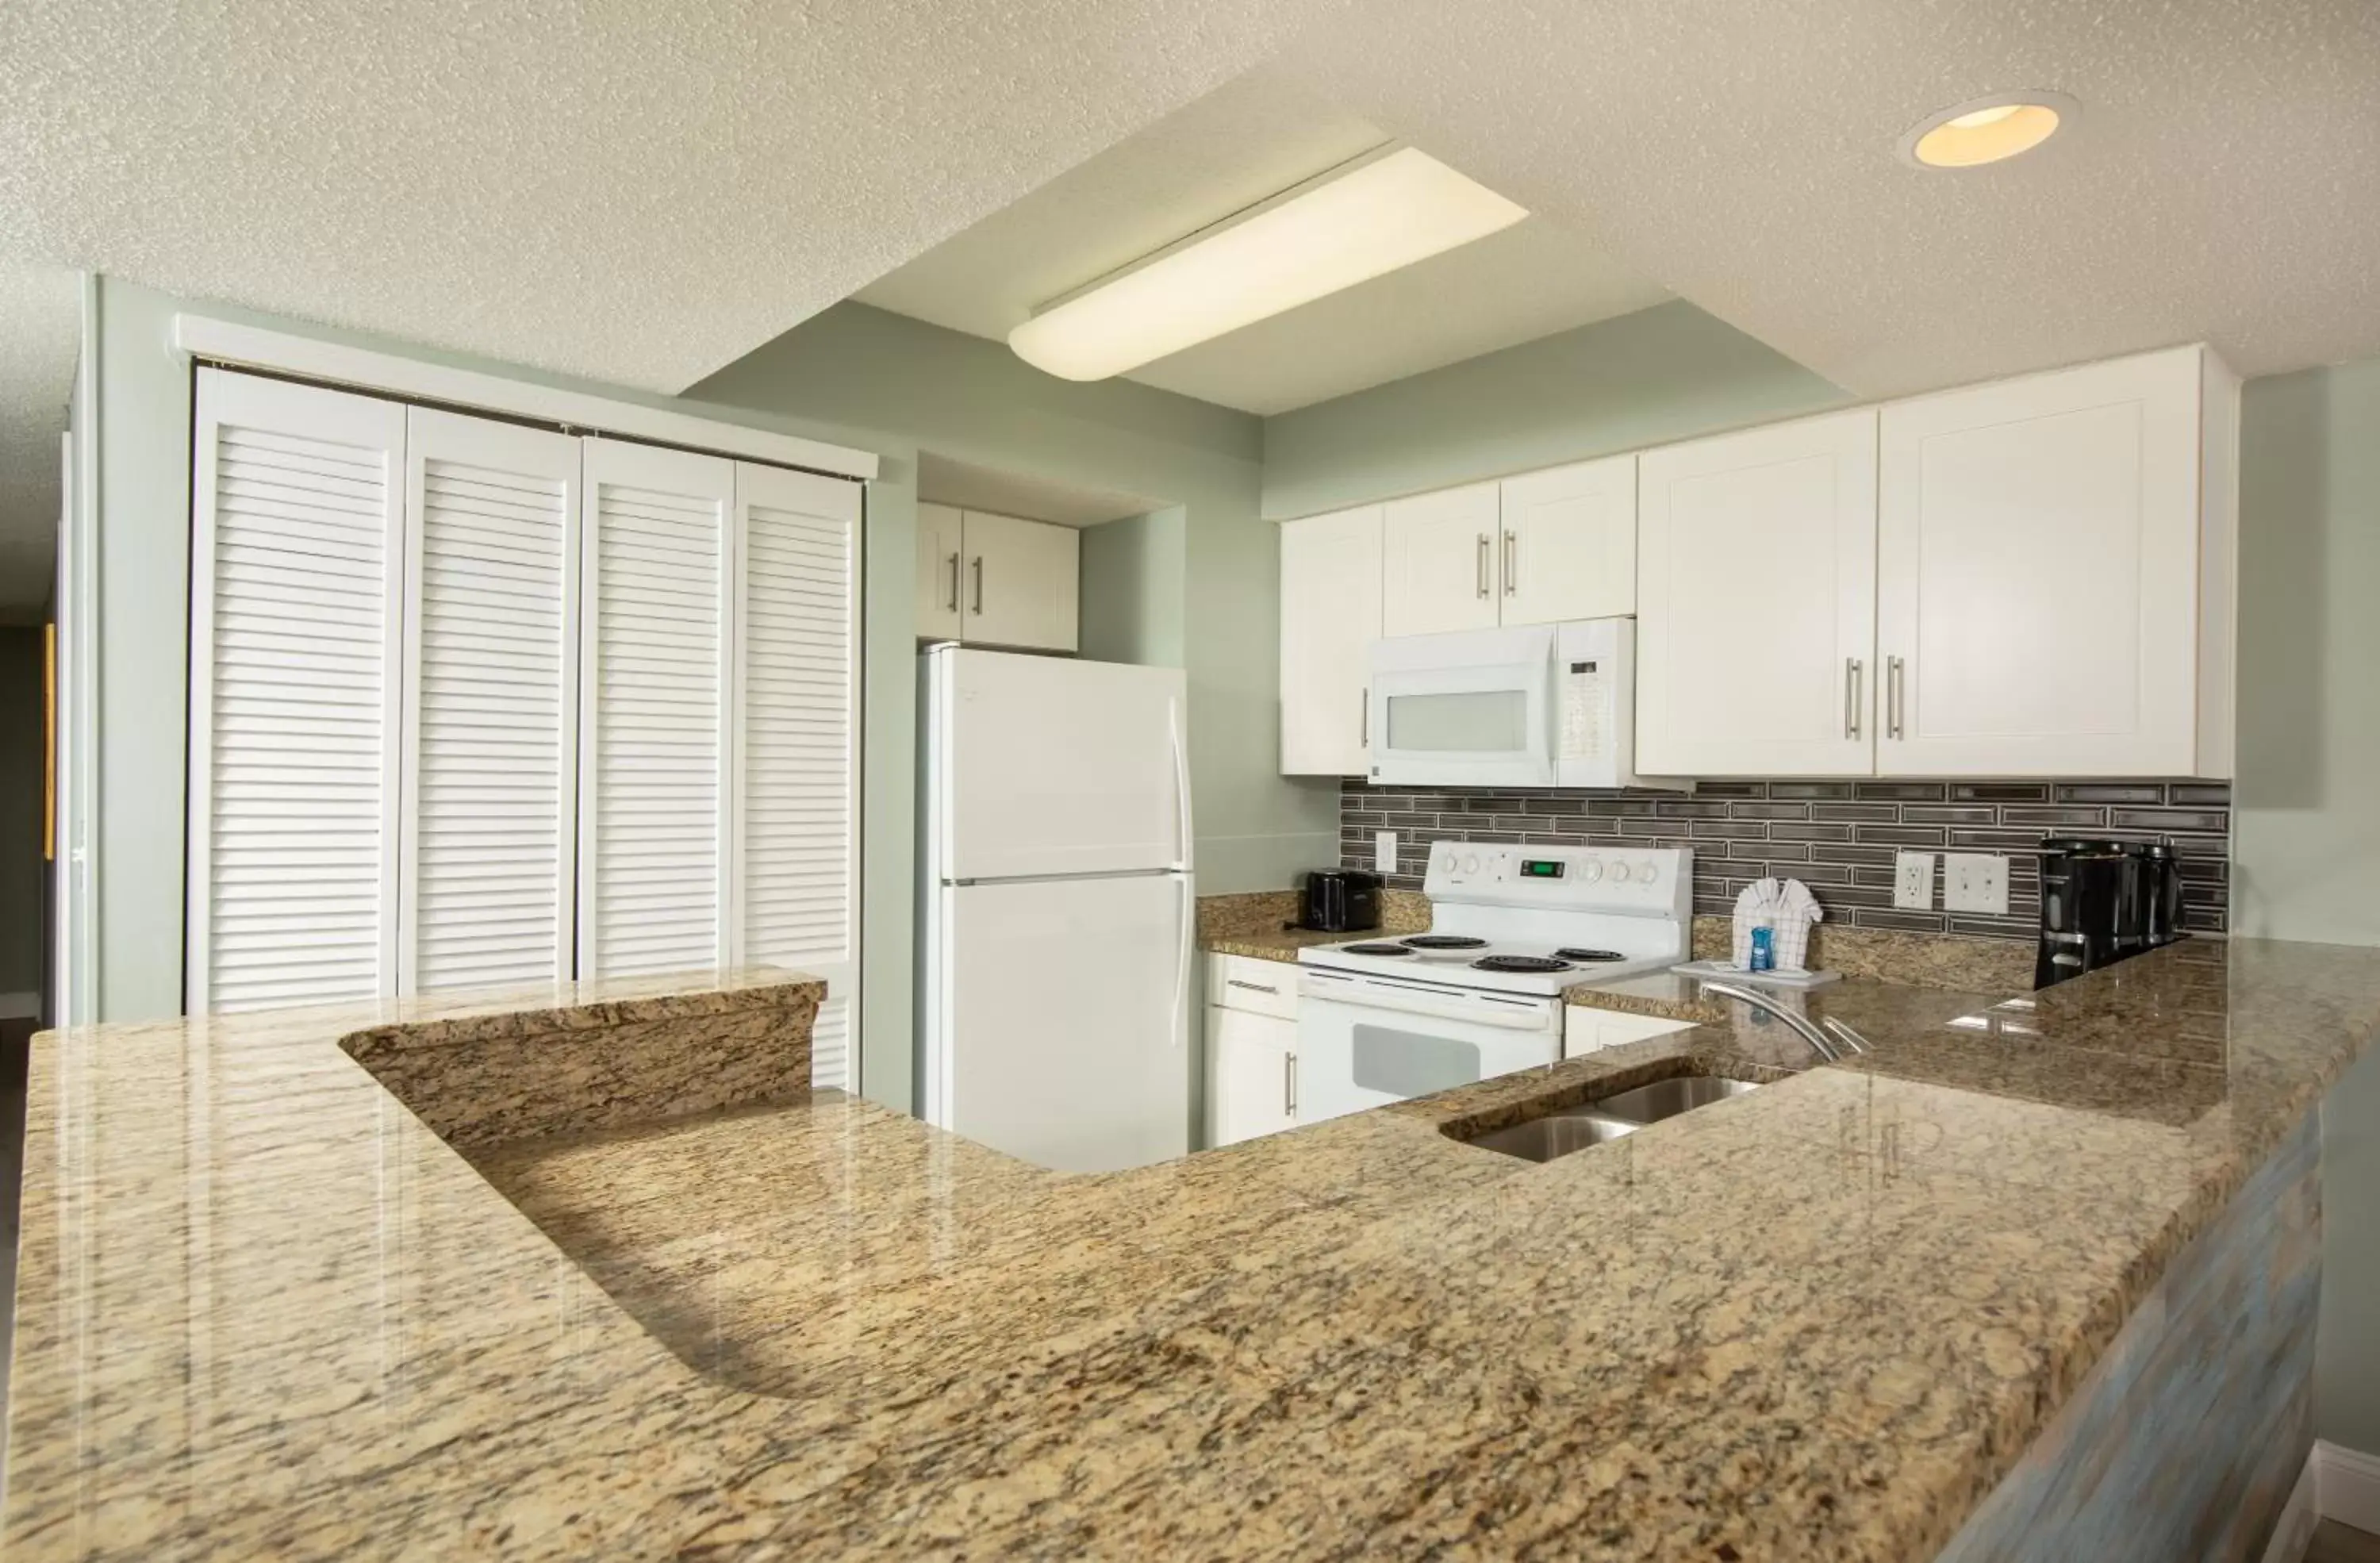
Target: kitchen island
[(265, 1308)]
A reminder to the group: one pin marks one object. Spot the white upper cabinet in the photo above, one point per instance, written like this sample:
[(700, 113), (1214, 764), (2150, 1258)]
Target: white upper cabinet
[(997, 580), (1329, 616), (1756, 601), (1442, 567), (1568, 549), (940, 562), (2050, 557)]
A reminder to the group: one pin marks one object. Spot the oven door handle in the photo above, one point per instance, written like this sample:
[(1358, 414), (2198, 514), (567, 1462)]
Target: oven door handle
[(1387, 999)]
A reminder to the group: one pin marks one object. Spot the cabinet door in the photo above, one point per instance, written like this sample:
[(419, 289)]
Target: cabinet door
[(1254, 1075), (1569, 543), (1441, 562), (1329, 616), (1755, 597), (1023, 583), (941, 563), (2038, 574)]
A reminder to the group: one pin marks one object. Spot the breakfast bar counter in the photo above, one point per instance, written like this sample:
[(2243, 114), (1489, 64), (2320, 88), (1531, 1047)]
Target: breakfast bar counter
[(471, 1292)]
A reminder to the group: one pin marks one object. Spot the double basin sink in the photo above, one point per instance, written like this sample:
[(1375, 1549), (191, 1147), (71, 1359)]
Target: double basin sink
[(1609, 1118)]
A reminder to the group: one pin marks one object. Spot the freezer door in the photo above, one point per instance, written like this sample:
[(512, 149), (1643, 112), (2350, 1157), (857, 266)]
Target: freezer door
[(1061, 1031), (1043, 764)]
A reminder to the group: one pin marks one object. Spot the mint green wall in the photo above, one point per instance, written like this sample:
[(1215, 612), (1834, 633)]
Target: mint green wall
[(1132, 597), (1660, 374), (2305, 836)]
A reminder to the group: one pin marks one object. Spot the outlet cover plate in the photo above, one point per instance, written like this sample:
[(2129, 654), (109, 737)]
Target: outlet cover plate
[(1913, 880), (1384, 852), (1975, 881)]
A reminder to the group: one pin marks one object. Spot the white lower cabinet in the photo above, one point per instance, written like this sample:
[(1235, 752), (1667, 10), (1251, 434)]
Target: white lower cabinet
[(1251, 1047), (1585, 1030)]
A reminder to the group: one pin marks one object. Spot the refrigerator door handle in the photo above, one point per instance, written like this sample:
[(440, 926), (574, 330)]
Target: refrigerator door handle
[(1181, 1012), (1181, 785)]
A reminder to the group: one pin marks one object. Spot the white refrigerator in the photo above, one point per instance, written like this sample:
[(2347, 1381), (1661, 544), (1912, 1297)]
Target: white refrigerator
[(1058, 910)]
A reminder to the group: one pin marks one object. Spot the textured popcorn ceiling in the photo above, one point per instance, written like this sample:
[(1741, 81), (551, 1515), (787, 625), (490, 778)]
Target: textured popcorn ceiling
[(40, 323), (2223, 180), (631, 191)]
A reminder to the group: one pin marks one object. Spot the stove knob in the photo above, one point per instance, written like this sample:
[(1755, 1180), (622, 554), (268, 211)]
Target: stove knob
[(1619, 873), (1471, 865), (1590, 870), (1648, 872)]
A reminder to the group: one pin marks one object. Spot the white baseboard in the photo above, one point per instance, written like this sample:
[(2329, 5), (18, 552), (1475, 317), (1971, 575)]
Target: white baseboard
[(2294, 1530), (2346, 1486), (19, 1006)]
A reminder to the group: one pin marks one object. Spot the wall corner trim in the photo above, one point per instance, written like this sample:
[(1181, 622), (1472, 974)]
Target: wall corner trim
[(229, 342)]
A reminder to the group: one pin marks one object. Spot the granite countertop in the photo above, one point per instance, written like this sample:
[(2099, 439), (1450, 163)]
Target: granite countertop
[(264, 1310)]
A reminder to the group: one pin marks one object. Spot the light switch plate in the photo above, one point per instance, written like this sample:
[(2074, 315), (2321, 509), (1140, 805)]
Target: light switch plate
[(1975, 881), (1913, 880), (1384, 852)]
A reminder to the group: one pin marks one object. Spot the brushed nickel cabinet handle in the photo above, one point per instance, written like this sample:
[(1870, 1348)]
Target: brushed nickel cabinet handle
[(1365, 700), (1892, 688), (1483, 564), (1851, 696), (954, 583), (978, 586), (1251, 986), (1511, 564), (1289, 1083)]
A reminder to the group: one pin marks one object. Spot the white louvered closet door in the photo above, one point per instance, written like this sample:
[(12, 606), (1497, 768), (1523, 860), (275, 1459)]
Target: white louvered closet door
[(653, 781), (796, 766), (297, 498), (490, 773)]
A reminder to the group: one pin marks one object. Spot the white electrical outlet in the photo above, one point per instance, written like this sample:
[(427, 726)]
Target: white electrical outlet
[(1384, 852), (1975, 881), (1913, 880)]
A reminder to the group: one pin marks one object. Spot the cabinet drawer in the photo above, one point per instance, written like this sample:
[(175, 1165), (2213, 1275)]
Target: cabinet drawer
[(1264, 988)]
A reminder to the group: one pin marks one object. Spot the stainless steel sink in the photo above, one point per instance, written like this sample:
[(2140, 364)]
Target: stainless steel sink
[(1557, 1133), (1666, 1099), (1607, 1118)]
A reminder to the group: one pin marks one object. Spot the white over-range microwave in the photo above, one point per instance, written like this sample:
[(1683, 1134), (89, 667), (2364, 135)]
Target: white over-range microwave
[(1529, 706)]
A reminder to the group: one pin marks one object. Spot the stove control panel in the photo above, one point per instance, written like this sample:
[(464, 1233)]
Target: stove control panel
[(1648, 882)]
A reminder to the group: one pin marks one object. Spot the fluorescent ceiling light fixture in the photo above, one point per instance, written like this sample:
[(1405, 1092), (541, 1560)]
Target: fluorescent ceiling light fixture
[(1986, 129), (1386, 209)]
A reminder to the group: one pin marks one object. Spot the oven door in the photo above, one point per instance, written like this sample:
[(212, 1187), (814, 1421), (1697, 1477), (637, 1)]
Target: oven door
[(1473, 708), (1365, 1041)]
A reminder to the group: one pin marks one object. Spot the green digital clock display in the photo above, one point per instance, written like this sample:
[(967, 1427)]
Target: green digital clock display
[(1540, 868)]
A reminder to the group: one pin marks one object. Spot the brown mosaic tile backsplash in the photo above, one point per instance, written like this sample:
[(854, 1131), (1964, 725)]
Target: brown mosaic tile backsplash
[(1837, 836)]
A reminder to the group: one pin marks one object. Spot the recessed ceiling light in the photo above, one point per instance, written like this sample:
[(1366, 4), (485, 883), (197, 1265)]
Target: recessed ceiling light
[(1386, 209), (1987, 130)]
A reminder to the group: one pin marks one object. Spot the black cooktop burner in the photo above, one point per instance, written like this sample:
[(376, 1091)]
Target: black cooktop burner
[(1443, 941), (1518, 963), (1375, 950), (1590, 955)]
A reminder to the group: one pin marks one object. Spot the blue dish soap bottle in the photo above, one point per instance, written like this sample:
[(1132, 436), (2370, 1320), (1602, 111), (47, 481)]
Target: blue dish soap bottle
[(1764, 950)]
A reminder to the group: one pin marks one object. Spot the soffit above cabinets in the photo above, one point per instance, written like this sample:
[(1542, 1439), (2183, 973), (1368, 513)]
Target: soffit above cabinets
[(966, 486)]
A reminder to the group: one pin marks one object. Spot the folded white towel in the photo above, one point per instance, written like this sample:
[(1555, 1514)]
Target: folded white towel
[(1787, 909)]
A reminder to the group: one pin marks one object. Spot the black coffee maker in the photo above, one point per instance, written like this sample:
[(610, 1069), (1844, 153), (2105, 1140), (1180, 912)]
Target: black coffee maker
[(2103, 902)]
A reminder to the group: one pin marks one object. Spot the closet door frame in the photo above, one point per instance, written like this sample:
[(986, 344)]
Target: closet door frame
[(465, 428), (217, 397)]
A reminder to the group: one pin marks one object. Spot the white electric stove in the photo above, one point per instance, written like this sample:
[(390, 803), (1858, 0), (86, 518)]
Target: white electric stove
[(1388, 1017)]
